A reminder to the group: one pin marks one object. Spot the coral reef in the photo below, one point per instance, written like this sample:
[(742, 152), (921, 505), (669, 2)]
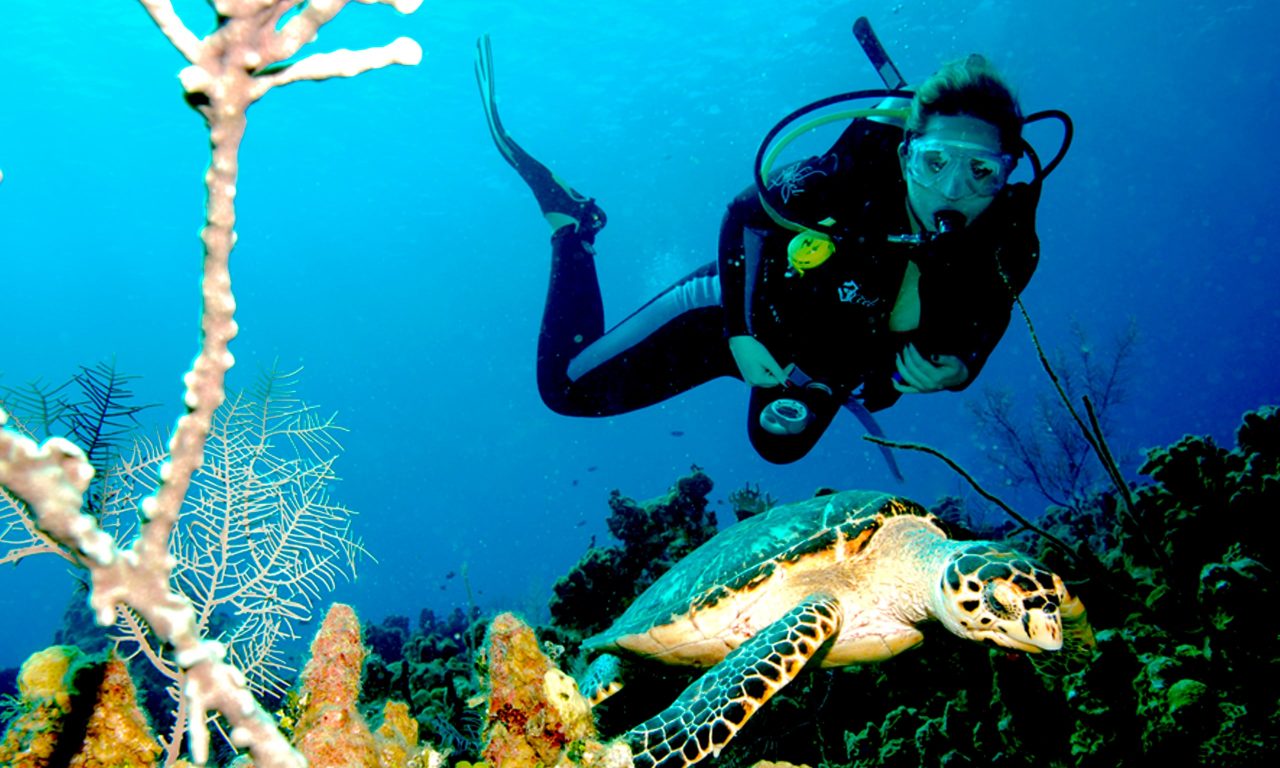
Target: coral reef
[(44, 693), (653, 535), (268, 470), (433, 669), (1184, 671), (1184, 668), (77, 711), (118, 733), (1194, 665), (432, 666), (81, 711), (396, 739), (322, 713), (536, 715), (749, 501), (330, 732)]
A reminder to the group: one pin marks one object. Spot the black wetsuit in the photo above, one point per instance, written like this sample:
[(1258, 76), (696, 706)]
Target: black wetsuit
[(832, 322)]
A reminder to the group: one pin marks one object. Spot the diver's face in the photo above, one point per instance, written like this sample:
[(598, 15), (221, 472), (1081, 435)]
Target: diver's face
[(954, 166)]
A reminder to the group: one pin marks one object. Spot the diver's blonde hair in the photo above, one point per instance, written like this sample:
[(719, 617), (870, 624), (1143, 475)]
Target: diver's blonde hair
[(969, 86)]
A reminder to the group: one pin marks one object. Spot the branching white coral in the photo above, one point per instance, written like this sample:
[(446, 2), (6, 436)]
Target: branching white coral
[(260, 540)]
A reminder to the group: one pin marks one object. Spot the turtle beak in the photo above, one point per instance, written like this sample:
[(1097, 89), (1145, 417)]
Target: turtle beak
[(1043, 630), (1035, 631), (1010, 641)]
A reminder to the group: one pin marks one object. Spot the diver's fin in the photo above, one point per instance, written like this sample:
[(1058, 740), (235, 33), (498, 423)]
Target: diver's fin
[(488, 97), (561, 204), (876, 54), (854, 405)]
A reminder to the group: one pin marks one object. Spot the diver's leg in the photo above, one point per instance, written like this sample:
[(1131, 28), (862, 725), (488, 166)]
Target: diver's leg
[(681, 345), (573, 316), (785, 448), (670, 345)]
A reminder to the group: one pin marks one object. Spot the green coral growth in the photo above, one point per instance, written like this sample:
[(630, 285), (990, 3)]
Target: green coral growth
[(1185, 670), (652, 537)]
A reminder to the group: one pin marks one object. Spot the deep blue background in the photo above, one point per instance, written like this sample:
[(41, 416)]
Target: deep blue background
[(386, 248)]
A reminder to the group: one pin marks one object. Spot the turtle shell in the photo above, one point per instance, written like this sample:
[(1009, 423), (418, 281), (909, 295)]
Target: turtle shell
[(748, 575)]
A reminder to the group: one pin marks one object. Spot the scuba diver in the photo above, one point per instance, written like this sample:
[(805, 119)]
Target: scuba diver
[(886, 266)]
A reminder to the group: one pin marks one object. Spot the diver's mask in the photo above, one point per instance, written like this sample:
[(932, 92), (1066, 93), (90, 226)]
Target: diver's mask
[(951, 167)]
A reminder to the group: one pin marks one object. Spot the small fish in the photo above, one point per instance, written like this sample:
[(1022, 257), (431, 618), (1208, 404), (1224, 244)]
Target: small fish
[(677, 433), (592, 468), (575, 481), (449, 575), (580, 523)]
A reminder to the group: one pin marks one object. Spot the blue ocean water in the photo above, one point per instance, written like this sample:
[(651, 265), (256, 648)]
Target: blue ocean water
[(386, 248)]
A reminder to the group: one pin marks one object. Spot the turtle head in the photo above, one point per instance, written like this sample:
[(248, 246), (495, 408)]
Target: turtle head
[(996, 595)]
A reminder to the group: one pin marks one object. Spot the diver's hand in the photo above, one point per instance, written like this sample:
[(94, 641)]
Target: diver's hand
[(918, 375), (756, 364)]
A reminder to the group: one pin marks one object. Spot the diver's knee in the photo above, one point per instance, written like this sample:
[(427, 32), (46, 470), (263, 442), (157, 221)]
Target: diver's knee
[(564, 401), (556, 400)]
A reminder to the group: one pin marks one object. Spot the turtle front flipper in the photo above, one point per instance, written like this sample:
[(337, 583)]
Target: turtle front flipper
[(712, 710)]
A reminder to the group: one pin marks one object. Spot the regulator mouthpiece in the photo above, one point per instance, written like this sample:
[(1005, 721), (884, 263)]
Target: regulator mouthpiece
[(946, 221)]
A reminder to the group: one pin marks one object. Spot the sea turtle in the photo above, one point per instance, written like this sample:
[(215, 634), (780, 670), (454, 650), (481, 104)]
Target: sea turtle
[(840, 579)]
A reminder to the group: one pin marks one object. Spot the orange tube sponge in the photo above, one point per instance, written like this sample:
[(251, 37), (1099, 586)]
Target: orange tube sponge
[(536, 715), (118, 732), (331, 733)]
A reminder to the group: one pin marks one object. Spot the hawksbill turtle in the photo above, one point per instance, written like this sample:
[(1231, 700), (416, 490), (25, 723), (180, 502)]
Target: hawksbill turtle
[(835, 580)]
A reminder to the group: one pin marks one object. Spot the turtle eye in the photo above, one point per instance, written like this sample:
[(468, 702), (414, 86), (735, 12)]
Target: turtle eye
[(1001, 599)]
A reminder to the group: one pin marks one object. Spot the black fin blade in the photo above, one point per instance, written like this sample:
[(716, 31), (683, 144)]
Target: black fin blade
[(876, 54)]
